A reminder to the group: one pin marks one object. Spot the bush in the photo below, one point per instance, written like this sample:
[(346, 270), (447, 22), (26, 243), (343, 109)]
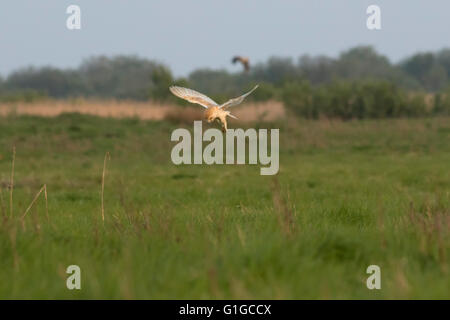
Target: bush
[(442, 103), (353, 99), (265, 92), (377, 99), (23, 96), (297, 96), (162, 79)]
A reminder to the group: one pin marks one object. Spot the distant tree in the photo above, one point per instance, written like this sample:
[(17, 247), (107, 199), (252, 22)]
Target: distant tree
[(54, 82), (265, 91), (418, 64), (276, 70), (162, 79), (317, 70), (119, 77), (362, 62), (298, 97), (435, 78), (218, 84), (443, 58), (430, 70)]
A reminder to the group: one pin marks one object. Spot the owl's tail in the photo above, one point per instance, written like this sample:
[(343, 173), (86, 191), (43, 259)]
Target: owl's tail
[(230, 115)]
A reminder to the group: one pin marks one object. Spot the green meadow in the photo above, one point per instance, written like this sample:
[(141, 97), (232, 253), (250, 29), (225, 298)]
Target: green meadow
[(348, 194)]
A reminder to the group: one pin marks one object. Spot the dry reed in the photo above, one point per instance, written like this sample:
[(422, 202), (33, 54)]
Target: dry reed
[(2, 204), (11, 183), (247, 112), (107, 157), (284, 213), (43, 189)]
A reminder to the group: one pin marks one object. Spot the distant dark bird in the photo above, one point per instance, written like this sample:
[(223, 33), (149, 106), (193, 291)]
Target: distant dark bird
[(243, 60)]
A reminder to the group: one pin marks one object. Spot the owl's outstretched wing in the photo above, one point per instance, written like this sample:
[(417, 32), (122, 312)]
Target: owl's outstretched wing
[(236, 101), (193, 96)]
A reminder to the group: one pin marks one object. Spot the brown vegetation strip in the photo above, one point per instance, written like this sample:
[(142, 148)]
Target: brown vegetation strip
[(267, 111)]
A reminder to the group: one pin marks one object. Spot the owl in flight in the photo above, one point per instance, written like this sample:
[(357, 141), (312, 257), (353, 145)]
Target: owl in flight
[(213, 110)]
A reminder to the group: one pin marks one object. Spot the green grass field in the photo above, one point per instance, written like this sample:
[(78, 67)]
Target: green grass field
[(348, 195)]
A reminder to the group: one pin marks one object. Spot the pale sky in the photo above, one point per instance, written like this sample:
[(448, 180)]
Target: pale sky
[(191, 34)]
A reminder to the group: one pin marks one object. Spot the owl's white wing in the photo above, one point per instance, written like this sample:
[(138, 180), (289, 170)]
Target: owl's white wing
[(236, 101), (193, 96)]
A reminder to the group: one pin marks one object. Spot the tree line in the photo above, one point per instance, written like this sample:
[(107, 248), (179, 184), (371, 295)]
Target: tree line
[(360, 82)]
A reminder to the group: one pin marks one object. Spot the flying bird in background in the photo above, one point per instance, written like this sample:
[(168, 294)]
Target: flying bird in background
[(243, 60), (213, 110)]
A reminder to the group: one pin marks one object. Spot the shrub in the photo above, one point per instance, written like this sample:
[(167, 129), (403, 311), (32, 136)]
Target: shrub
[(297, 96), (442, 103), (353, 99), (23, 96)]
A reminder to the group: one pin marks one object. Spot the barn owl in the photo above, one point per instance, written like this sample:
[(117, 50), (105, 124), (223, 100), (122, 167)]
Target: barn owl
[(213, 110)]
